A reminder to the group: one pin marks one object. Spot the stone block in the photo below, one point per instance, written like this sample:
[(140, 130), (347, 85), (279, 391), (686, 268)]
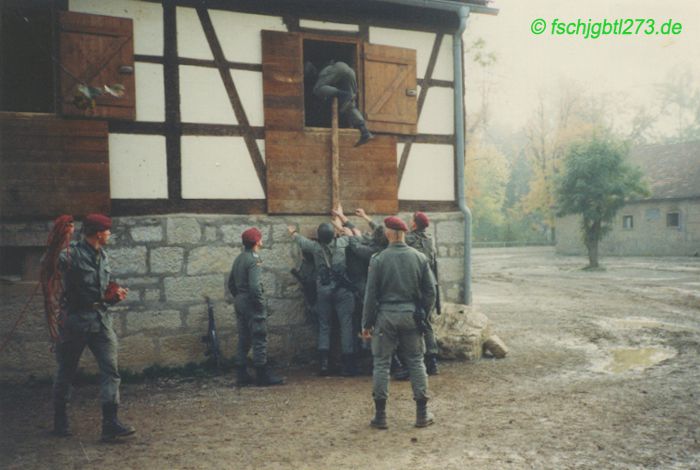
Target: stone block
[(198, 319), (450, 232), (183, 230), (461, 331), (211, 259), (269, 282), (138, 281), (210, 234), (280, 234), (128, 260), (281, 256), (137, 322), (167, 260), (286, 311), (136, 352), (496, 346), (132, 297), (179, 350), (151, 295), (192, 288), (451, 269), (152, 233)]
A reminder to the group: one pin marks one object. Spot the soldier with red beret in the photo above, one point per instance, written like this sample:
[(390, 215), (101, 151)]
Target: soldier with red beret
[(88, 291), (421, 240), (399, 284), (245, 285)]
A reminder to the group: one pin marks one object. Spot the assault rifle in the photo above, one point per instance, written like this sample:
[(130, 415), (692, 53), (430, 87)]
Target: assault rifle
[(211, 339), (438, 304)]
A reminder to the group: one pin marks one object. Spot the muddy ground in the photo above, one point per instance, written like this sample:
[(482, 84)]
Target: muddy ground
[(603, 372)]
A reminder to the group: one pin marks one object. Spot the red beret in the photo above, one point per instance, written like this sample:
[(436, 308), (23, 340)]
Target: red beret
[(96, 223), (395, 223), (421, 219), (251, 236)]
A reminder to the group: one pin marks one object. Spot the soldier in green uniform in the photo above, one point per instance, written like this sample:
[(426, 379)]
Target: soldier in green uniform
[(88, 291), (399, 283), (421, 240), (334, 292), (246, 287)]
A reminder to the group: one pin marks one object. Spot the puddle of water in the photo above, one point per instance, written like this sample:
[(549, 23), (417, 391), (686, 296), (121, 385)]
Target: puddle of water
[(625, 359)]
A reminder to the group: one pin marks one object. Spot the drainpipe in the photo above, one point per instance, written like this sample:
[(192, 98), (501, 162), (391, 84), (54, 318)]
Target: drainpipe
[(459, 150), (462, 11)]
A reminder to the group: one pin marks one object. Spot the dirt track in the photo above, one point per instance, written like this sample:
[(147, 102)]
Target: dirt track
[(578, 390)]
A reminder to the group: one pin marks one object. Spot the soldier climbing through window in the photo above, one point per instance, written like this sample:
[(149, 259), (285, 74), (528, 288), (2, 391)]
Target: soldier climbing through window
[(337, 79)]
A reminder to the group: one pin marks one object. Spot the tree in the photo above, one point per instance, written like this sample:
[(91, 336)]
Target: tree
[(596, 183)]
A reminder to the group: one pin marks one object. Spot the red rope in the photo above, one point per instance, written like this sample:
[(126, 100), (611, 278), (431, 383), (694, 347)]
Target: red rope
[(50, 280)]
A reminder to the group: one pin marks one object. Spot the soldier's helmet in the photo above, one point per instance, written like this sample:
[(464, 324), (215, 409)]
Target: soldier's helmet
[(325, 233)]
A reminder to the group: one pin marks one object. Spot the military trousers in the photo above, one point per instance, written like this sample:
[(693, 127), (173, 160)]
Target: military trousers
[(342, 78), (102, 342), (397, 330), (431, 347), (252, 332), (341, 302)]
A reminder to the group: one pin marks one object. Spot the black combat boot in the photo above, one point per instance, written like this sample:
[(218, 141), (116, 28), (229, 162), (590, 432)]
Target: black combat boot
[(365, 135), (379, 420), (242, 377), (264, 378), (112, 428), (60, 420), (424, 418), (323, 368), (349, 366), (431, 364), (400, 371)]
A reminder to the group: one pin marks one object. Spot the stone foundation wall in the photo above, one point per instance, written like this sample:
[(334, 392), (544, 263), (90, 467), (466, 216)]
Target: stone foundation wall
[(169, 263)]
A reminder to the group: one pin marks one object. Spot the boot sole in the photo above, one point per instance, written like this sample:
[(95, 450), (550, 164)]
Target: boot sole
[(117, 437), (378, 426), (425, 424)]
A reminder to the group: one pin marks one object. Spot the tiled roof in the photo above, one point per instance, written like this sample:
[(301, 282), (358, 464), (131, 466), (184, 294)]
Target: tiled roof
[(672, 170)]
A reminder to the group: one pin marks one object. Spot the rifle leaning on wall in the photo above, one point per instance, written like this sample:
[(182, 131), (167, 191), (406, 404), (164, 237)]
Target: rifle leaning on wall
[(211, 339), (438, 304)]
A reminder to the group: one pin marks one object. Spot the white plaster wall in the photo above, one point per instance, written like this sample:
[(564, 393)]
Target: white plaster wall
[(137, 167), (429, 173), (313, 24), (437, 116), (444, 67), (147, 16), (239, 34), (250, 89), (191, 41), (421, 42), (218, 168), (150, 92), (203, 98)]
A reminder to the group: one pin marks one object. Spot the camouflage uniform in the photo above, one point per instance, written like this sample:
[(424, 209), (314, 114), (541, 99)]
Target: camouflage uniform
[(245, 286), (86, 273), (399, 278)]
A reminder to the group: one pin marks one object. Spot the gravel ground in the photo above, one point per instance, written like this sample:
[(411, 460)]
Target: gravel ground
[(602, 373)]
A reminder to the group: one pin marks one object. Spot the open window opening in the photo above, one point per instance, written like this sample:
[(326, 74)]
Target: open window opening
[(20, 263), (26, 69), (317, 110)]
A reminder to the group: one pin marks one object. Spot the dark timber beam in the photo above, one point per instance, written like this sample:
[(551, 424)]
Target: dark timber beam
[(427, 77), (233, 96)]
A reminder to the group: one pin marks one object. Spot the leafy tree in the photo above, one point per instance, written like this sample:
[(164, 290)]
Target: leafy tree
[(596, 183)]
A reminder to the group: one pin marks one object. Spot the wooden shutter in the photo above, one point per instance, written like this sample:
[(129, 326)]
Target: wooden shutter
[(97, 50), (299, 172), (391, 95), (52, 166), (283, 80)]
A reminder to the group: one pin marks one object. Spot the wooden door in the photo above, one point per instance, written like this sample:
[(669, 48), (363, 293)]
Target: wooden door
[(97, 51), (391, 93), (283, 81)]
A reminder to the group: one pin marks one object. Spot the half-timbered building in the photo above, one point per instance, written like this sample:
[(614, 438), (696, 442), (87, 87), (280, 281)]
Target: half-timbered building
[(216, 131)]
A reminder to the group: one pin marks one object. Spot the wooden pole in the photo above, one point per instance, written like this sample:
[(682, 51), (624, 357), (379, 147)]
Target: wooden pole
[(335, 157)]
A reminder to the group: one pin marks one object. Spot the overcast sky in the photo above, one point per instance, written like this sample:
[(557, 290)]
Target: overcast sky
[(620, 66)]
